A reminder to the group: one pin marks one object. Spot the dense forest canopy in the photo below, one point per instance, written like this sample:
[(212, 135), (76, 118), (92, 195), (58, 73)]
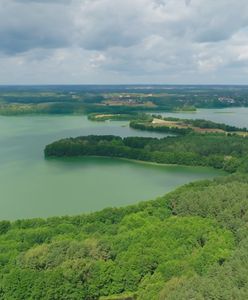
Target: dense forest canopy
[(192, 243), (215, 150)]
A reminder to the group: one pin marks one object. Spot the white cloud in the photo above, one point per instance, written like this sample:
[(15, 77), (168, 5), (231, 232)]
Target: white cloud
[(83, 41)]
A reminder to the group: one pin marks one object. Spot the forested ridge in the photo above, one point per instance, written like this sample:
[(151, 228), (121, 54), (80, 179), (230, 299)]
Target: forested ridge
[(189, 244)]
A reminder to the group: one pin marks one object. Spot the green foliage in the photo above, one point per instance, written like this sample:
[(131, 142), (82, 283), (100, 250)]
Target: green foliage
[(211, 125), (118, 117), (43, 108), (225, 200), (137, 252), (190, 244), (148, 126), (182, 126), (214, 150), (4, 226)]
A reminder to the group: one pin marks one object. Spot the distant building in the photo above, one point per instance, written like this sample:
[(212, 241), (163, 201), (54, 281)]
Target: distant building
[(226, 100)]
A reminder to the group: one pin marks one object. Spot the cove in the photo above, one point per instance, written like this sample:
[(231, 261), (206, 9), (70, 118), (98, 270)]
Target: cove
[(32, 186)]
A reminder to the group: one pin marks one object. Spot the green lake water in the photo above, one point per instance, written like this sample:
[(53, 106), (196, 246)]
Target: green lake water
[(31, 186), (237, 116)]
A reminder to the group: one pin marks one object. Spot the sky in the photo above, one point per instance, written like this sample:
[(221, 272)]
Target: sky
[(123, 41)]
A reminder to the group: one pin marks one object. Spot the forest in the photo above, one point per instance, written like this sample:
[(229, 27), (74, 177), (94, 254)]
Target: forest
[(190, 244), (227, 152)]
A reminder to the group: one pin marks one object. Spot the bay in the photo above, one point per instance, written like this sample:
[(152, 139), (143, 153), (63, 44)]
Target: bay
[(31, 186)]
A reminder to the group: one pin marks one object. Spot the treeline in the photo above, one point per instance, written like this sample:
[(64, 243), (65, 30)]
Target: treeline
[(118, 117), (46, 108), (46, 95), (212, 125), (148, 126), (198, 123), (190, 244), (202, 123), (214, 150)]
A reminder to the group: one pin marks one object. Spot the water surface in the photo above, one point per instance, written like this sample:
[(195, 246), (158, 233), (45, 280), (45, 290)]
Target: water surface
[(237, 116), (31, 186)]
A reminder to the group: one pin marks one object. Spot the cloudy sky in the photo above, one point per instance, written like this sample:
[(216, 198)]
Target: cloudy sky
[(123, 41)]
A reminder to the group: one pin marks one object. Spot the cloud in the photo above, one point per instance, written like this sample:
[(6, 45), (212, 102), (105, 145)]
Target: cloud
[(59, 2), (131, 40), (26, 25)]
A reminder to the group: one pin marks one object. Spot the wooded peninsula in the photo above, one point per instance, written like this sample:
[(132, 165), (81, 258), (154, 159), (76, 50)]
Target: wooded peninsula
[(221, 151)]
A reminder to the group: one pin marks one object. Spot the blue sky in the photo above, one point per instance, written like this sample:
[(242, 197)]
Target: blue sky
[(123, 41)]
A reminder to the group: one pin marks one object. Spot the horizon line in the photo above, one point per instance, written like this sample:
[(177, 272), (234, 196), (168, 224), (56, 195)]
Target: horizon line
[(124, 84)]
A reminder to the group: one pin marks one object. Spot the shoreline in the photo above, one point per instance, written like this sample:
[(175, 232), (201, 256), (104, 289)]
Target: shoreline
[(136, 161)]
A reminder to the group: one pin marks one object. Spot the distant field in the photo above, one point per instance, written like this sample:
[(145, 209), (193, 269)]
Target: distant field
[(181, 125)]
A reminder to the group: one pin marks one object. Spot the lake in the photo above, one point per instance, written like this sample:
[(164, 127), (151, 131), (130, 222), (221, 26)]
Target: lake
[(237, 116), (34, 187)]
